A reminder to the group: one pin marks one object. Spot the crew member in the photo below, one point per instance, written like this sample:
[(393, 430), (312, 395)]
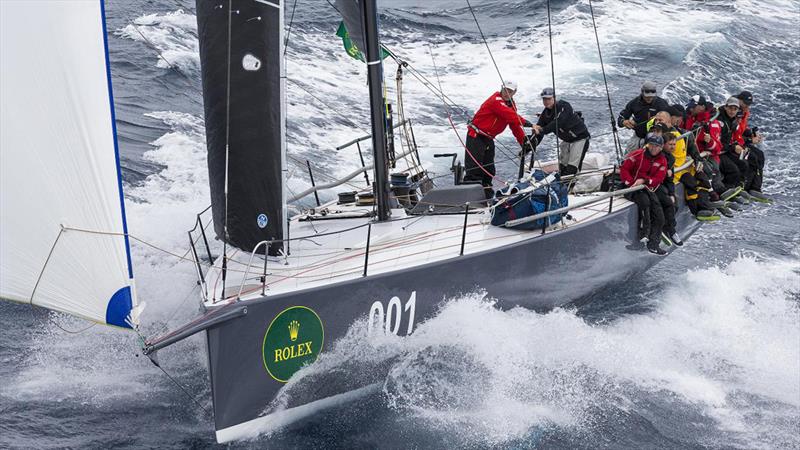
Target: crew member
[(755, 159), (495, 114), (638, 112), (696, 183), (697, 112), (647, 166), (745, 100), (731, 165), (571, 130), (666, 191)]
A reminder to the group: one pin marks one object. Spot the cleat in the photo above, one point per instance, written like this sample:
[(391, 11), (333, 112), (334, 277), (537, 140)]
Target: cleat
[(656, 250), (676, 239)]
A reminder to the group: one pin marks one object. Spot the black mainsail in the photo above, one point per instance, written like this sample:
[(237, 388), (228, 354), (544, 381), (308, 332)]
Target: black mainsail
[(241, 59)]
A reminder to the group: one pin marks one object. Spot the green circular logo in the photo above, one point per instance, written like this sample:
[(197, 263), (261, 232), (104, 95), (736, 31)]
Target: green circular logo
[(293, 339)]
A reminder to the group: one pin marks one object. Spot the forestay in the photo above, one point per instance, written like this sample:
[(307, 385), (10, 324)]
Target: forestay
[(59, 165)]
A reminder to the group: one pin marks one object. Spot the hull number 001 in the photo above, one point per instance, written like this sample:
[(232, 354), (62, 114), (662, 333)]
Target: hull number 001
[(390, 319)]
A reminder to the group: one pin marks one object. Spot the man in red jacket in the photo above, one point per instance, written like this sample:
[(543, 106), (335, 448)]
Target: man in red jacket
[(495, 114), (647, 166)]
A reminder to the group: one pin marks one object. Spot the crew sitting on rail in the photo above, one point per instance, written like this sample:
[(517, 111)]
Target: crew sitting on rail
[(749, 138), (696, 185), (697, 112), (495, 114), (732, 165), (709, 144), (666, 190), (571, 130), (638, 112), (647, 166)]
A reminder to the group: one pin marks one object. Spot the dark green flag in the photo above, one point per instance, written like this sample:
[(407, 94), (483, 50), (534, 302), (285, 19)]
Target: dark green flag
[(350, 46)]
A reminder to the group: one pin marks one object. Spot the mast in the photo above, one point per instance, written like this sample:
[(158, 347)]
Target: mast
[(369, 13)]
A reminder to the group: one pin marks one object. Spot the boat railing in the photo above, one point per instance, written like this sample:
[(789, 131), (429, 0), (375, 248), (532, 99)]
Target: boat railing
[(467, 210), (266, 245), (196, 234)]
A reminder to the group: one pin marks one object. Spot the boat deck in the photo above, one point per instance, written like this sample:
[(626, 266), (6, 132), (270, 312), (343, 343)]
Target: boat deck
[(333, 247)]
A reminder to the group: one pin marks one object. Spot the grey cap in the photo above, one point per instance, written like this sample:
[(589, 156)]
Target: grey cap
[(649, 89), (548, 93), (732, 101)]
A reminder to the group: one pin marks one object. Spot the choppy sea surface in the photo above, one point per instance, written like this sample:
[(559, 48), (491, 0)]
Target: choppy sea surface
[(702, 351)]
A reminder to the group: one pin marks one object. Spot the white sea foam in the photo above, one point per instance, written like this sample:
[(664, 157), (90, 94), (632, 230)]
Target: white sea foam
[(715, 335), (174, 36)]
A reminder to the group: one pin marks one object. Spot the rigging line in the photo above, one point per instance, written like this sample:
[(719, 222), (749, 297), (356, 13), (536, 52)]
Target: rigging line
[(341, 115), (165, 327), (429, 84), (171, 378), (289, 31), (617, 145), (50, 319), (39, 279), (44, 266), (553, 78), (502, 80)]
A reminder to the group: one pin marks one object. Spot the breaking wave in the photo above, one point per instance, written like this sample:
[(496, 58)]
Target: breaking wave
[(720, 344)]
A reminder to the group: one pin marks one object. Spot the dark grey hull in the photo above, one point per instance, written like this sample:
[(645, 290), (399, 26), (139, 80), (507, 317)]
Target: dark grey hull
[(540, 273)]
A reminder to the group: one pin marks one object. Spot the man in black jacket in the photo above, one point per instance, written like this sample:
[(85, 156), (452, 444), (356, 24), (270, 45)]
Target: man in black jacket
[(558, 117), (638, 112), (733, 168)]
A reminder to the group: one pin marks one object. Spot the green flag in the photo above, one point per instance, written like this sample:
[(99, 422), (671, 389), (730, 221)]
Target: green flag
[(350, 46)]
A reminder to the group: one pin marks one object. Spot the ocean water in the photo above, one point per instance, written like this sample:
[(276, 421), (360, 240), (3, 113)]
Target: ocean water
[(702, 351)]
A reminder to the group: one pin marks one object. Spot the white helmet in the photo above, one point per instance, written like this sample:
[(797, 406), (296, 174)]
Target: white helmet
[(510, 85)]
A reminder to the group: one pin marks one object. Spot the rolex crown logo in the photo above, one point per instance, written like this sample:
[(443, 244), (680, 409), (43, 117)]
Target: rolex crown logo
[(294, 330)]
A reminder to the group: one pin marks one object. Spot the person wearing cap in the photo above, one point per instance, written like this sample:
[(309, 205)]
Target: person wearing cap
[(495, 114), (755, 160), (558, 117), (638, 112), (697, 112), (732, 166), (647, 166)]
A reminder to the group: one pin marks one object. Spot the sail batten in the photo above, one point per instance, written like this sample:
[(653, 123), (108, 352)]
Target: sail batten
[(59, 164)]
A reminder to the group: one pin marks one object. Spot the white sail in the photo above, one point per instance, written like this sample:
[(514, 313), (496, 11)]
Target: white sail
[(59, 164)]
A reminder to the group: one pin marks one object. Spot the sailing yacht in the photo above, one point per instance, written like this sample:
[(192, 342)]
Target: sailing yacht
[(284, 289)]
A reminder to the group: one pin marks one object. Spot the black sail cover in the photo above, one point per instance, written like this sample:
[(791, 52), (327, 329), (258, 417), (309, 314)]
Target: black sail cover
[(255, 184)]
